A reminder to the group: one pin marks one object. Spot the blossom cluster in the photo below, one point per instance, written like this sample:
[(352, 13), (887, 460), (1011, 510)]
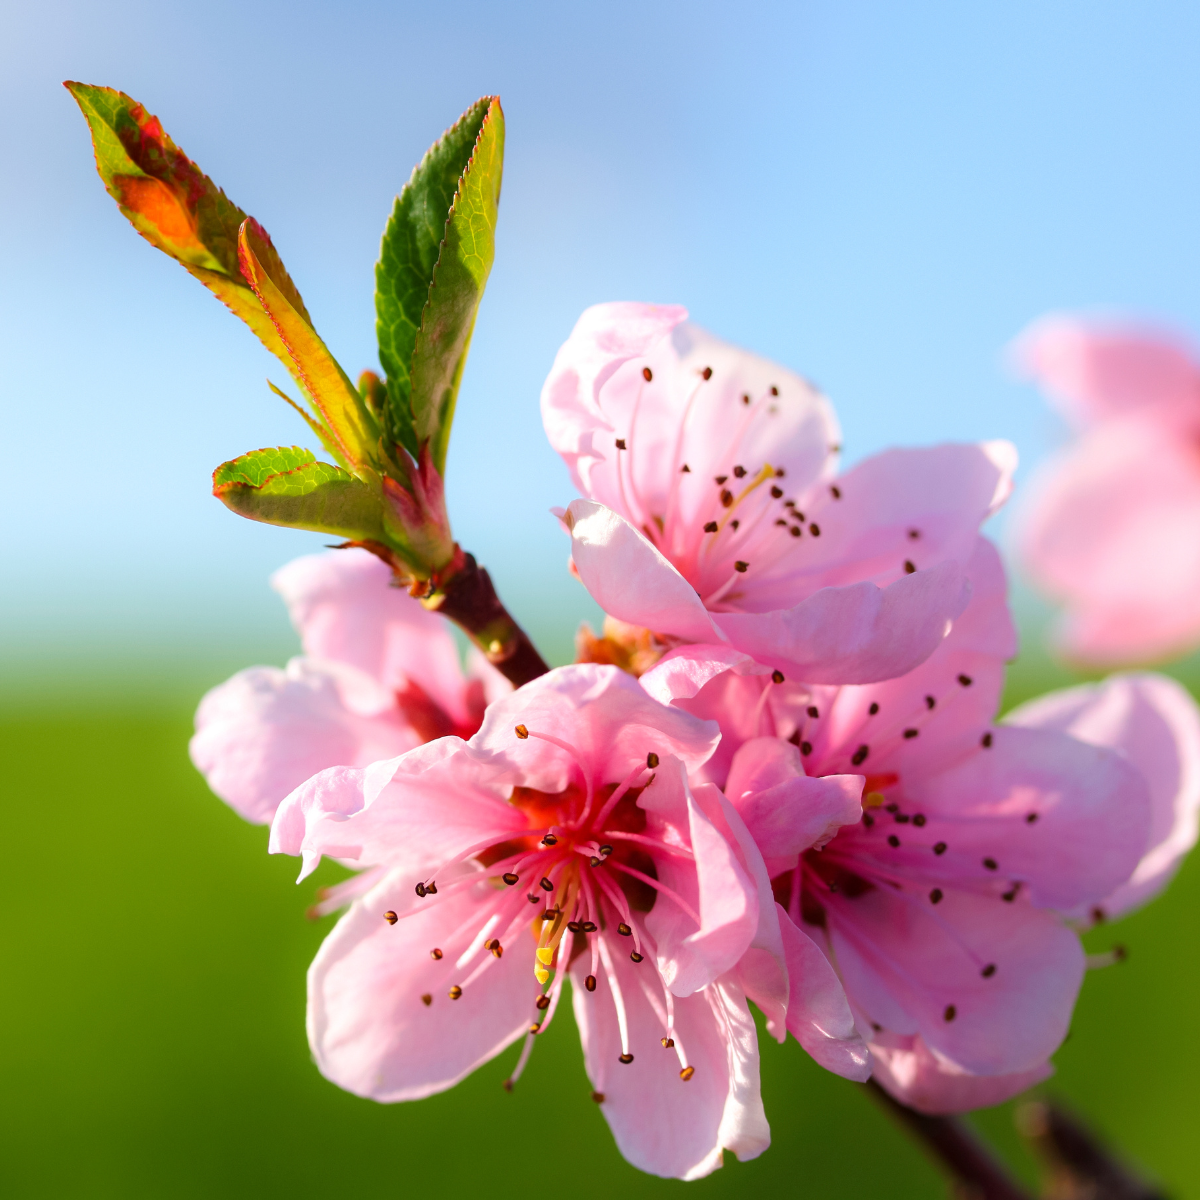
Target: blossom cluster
[(776, 778)]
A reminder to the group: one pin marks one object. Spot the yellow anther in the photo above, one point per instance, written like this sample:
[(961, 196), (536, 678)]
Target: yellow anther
[(545, 954), (541, 974), (873, 800)]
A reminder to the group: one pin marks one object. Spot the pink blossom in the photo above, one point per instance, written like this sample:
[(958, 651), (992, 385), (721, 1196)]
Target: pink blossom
[(562, 839), (714, 512), (942, 907), (1109, 528), (379, 675)]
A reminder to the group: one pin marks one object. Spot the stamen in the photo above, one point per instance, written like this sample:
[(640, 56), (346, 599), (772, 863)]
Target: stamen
[(427, 999), (455, 992), (615, 798), (661, 887), (435, 954), (521, 732), (590, 983), (390, 917), (687, 1073), (618, 999)]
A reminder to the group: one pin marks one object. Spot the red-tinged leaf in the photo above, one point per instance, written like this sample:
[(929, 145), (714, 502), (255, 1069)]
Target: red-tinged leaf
[(175, 206), (353, 428)]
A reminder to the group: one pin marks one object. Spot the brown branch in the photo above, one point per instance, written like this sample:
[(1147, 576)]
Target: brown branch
[(978, 1174), (1078, 1166), (469, 599)]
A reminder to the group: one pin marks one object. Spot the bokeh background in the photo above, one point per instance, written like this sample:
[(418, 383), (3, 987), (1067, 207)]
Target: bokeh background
[(879, 196)]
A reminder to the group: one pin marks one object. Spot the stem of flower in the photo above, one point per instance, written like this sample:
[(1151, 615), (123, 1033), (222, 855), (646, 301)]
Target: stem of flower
[(469, 599), (978, 1173)]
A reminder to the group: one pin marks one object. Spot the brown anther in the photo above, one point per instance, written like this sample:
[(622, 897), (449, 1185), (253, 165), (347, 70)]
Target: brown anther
[(860, 755), (965, 680), (624, 930), (815, 530), (913, 534), (620, 443), (950, 1013), (711, 527), (734, 524), (543, 1002), (892, 808), (598, 1097), (575, 926), (667, 1043), (835, 491), (636, 957), (510, 877), (806, 747), (990, 863), (605, 850), (652, 760), (813, 711), (498, 951), (590, 983), (868, 820), (625, 1058), (909, 734), (741, 567), (893, 840), (533, 898), (1120, 953), (492, 943), (781, 521), (521, 732), (909, 566), (902, 818), (435, 954), (535, 1027), (390, 917), (796, 531), (988, 971), (431, 889), (420, 890), (685, 469), (1031, 818), (745, 397), (873, 709), (507, 1085), (707, 373), (546, 885), (687, 1073), (726, 497), (590, 927), (550, 914), (776, 676), (918, 819), (774, 390), (549, 840), (427, 999), (595, 861), (647, 374), (986, 741), (776, 491), (940, 848), (930, 703), (935, 897), (739, 472), (455, 992), (720, 478)]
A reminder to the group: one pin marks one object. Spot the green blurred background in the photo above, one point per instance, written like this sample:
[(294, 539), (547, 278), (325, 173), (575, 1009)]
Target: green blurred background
[(152, 999)]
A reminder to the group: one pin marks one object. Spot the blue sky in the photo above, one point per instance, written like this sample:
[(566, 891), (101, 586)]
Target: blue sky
[(879, 196)]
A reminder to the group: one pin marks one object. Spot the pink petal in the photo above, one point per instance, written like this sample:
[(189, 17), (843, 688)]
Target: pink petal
[(716, 886), (819, 1016), (855, 634), (919, 1078), (368, 1028), (683, 672), (1090, 808), (663, 1124), (1096, 371), (602, 713), (785, 811), (345, 607), (265, 731), (911, 965), (420, 810), (1154, 723), (1109, 529), (630, 579)]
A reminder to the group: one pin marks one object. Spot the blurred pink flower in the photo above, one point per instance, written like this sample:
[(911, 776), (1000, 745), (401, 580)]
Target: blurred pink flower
[(379, 675), (714, 513), (564, 838), (1110, 526), (943, 907)]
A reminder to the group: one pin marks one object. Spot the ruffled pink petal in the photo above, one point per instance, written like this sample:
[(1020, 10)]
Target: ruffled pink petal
[(896, 510), (1067, 820), (345, 607), (919, 1078), (1095, 371), (369, 1029), (663, 1124), (683, 672), (714, 884), (419, 810), (915, 967), (630, 579), (265, 731), (819, 1016), (602, 714), (1109, 529), (1155, 724), (786, 811), (855, 634)]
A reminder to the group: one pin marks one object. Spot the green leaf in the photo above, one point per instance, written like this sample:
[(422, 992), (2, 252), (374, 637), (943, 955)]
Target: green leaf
[(286, 485), (175, 206), (354, 431), (459, 170)]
